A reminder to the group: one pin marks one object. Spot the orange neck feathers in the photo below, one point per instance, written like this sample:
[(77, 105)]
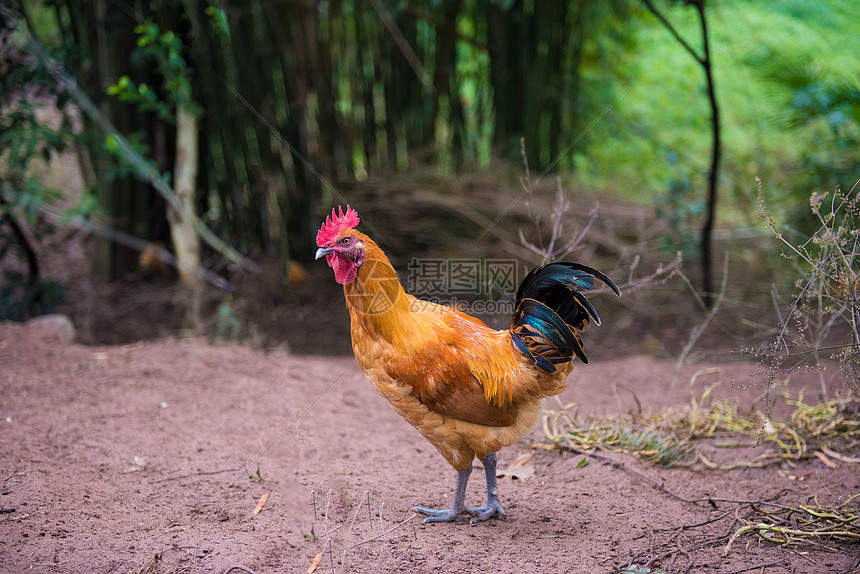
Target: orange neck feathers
[(377, 299)]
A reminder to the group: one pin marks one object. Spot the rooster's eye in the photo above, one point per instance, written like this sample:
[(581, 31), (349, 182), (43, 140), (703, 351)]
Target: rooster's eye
[(344, 241)]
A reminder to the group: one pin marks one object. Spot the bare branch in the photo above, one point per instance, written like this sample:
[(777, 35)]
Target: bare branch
[(674, 32)]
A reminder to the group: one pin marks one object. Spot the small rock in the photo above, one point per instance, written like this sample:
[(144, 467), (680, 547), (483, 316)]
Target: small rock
[(55, 328)]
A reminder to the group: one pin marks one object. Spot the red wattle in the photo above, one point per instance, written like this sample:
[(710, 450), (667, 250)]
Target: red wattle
[(345, 270)]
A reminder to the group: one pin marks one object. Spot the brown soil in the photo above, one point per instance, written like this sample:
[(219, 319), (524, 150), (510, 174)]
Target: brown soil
[(151, 457)]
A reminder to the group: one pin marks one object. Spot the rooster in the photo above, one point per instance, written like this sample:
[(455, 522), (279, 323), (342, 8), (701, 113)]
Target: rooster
[(468, 389)]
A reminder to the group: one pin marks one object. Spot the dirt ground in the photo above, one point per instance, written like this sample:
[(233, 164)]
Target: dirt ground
[(152, 457)]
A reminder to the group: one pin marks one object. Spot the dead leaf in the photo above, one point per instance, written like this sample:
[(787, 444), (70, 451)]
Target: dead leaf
[(315, 562), (520, 468), (823, 458), (261, 503), (839, 456)]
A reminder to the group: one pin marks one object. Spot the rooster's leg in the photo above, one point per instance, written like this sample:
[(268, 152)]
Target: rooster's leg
[(493, 506), (458, 506)]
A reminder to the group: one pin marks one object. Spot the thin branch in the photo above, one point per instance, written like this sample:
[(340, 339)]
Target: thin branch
[(674, 32), (29, 252), (354, 516), (659, 485), (130, 241), (405, 48), (756, 567), (711, 313), (574, 243), (193, 474), (384, 532)]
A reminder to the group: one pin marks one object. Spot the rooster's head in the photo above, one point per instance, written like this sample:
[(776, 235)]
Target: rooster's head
[(341, 244)]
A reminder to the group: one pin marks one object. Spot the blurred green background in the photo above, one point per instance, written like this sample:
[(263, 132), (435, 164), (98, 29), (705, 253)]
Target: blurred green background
[(415, 109)]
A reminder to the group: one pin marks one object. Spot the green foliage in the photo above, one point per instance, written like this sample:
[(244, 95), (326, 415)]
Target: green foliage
[(27, 198), (218, 21), (666, 108), (86, 207), (308, 94), (820, 111), (25, 140), (137, 144), (166, 48), (28, 141), (26, 89), (141, 95)]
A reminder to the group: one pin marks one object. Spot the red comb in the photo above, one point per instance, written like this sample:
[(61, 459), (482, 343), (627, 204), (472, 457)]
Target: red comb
[(336, 223)]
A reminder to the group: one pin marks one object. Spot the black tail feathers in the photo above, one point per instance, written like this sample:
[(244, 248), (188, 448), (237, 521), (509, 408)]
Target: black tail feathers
[(551, 313)]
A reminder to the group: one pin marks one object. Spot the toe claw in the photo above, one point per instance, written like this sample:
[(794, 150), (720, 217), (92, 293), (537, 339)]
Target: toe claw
[(491, 510), (439, 515)]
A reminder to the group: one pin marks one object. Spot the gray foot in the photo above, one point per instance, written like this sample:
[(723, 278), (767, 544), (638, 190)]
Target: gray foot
[(447, 515), (493, 509), (459, 511)]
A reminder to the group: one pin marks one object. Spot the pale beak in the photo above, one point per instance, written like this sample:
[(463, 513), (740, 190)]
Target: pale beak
[(323, 251)]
